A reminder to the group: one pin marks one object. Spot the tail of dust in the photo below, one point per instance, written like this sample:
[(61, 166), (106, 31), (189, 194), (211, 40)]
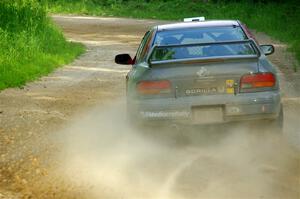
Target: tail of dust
[(110, 159)]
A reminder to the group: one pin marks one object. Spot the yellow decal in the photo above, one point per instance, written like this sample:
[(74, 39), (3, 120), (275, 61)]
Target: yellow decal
[(230, 86)]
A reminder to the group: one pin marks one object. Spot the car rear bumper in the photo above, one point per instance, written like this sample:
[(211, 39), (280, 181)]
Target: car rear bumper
[(208, 109)]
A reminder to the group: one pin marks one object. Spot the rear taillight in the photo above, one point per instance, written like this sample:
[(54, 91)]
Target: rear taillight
[(154, 87), (257, 82)]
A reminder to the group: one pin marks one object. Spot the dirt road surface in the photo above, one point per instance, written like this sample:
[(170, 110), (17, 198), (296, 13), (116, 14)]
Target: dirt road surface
[(66, 136)]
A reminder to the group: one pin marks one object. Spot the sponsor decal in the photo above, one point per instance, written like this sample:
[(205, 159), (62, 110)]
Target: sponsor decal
[(165, 114), (213, 90), (230, 86), (203, 72)]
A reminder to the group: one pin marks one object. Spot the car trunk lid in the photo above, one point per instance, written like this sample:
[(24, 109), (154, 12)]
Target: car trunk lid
[(201, 77)]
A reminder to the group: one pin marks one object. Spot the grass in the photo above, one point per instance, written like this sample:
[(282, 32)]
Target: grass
[(31, 45), (279, 20)]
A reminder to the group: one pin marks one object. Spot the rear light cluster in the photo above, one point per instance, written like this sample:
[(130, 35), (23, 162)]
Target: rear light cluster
[(154, 87), (257, 82)]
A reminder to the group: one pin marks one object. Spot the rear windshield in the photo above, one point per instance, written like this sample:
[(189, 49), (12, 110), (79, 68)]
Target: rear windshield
[(199, 35), (161, 53), (200, 42)]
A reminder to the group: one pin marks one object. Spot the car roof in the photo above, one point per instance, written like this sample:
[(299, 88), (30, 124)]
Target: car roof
[(198, 24)]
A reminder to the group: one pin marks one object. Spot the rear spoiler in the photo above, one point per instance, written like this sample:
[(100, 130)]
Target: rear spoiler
[(204, 59)]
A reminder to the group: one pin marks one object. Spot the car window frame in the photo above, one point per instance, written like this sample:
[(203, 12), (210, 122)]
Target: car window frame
[(145, 46)]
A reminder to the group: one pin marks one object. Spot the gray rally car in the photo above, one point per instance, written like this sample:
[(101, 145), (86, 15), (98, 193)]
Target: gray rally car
[(202, 72)]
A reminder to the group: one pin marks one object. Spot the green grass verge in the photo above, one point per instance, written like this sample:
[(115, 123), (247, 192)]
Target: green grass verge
[(31, 45), (279, 20)]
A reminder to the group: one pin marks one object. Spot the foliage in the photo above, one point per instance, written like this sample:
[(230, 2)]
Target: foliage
[(31, 45)]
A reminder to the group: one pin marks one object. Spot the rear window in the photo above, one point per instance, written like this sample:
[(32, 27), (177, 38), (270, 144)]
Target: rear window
[(199, 35), (205, 50), (211, 37)]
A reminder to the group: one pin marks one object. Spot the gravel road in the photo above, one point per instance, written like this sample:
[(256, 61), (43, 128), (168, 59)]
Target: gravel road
[(66, 136)]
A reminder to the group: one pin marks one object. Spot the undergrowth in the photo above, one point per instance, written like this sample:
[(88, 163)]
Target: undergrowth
[(31, 45)]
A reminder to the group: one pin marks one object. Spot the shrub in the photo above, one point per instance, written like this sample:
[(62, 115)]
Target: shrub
[(31, 45)]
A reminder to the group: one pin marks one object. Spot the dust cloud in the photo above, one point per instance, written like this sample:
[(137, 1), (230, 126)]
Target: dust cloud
[(105, 156)]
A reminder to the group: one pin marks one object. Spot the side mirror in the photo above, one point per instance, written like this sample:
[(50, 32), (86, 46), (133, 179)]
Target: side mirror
[(267, 49), (123, 59)]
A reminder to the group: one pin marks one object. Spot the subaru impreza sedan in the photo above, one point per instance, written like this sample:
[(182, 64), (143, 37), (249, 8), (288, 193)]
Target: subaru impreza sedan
[(202, 72)]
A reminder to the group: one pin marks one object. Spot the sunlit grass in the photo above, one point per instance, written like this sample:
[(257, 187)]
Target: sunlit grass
[(31, 45)]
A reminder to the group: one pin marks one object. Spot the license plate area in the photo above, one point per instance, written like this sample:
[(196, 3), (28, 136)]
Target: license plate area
[(202, 91), (207, 114)]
